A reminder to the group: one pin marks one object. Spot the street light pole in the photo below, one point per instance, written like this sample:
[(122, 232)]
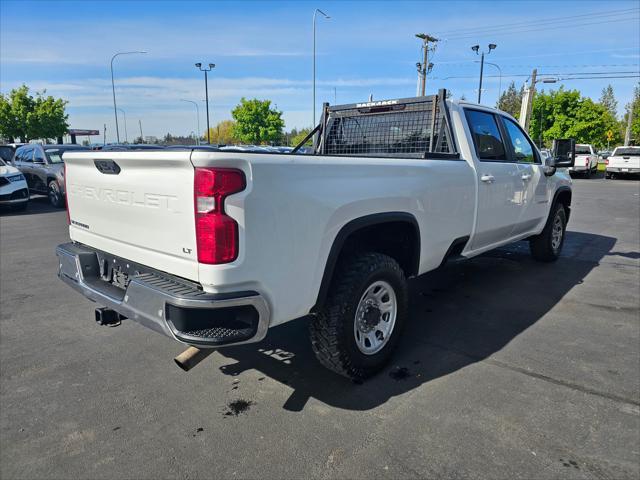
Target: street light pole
[(113, 88), (206, 92), (141, 137), (126, 137), (197, 117), (315, 12), (476, 48)]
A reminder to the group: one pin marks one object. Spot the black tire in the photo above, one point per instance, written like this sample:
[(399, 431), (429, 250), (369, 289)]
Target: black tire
[(607, 175), (543, 247), (55, 195), (332, 328)]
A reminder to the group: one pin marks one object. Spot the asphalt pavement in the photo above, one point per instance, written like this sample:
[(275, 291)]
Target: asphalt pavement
[(508, 368)]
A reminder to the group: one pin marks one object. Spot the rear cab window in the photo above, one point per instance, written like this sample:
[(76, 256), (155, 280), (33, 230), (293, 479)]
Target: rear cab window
[(487, 138), (626, 152), (583, 150)]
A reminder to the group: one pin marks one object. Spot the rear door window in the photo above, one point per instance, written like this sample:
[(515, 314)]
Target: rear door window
[(486, 134)]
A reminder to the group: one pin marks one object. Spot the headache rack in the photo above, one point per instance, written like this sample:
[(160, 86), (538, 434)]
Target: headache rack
[(417, 127)]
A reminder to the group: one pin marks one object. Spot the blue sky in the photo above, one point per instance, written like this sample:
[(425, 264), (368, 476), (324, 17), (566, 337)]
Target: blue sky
[(263, 49)]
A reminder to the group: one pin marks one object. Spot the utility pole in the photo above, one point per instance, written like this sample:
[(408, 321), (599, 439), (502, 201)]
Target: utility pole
[(425, 67), (104, 135), (627, 133), (527, 102), (141, 137)]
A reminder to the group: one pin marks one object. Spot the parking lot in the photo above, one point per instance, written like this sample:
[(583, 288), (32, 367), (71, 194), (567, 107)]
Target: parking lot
[(508, 369)]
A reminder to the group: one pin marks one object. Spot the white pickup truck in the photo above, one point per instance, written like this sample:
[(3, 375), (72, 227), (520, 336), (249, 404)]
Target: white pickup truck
[(623, 161), (586, 160), (214, 248)]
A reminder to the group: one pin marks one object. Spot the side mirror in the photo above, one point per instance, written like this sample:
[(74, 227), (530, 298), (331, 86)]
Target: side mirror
[(563, 153)]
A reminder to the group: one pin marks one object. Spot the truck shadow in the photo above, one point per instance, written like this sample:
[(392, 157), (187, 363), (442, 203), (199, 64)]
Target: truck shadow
[(459, 315)]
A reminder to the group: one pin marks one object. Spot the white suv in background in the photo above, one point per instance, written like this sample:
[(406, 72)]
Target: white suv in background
[(13, 187), (586, 161)]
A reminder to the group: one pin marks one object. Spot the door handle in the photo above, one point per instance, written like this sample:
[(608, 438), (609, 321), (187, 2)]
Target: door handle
[(526, 177), (487, 178)]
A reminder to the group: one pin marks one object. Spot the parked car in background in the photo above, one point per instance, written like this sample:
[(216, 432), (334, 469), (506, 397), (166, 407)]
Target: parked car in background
[(604, 154), (586, 161), (623, 161), (131, 147), (43, 168), (7, 152), (13, 187)]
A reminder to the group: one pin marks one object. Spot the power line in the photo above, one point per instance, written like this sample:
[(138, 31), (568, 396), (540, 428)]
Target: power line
[(526, 75), (594, 78), (550, 27), (559, 54), (547, 20)]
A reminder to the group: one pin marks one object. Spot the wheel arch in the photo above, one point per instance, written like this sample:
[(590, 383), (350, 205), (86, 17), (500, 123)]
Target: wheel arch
[(563, 196), (362, 229)]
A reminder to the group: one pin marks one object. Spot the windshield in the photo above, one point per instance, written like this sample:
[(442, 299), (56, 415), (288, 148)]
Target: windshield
[(2, 164), (582, 150), (627, 151)]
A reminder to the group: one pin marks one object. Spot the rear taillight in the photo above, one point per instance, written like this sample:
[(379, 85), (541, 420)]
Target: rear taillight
[(66, 195), (216, 232), (606, 161), (587, 161)]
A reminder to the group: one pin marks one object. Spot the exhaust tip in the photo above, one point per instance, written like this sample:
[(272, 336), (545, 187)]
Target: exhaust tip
[(191, 357)]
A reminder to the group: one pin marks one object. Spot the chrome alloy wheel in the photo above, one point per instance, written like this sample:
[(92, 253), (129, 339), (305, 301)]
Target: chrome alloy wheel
[(375, 317), (556, 233)]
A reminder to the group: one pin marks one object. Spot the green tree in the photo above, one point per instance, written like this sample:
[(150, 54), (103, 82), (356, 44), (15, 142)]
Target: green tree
[(25, 117), (511, 100), (50, 119), (608, 100), (223, 133), (257, 122), (299, 137), (566, 114), (634, 108), (16, 108)]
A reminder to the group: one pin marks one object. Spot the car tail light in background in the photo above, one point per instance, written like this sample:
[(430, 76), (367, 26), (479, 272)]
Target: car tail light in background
[(606, 161), (216, 232), (66, 196)]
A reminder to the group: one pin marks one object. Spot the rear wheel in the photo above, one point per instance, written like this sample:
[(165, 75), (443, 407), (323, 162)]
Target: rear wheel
[(546, 247), (55, 195), (355, 332)]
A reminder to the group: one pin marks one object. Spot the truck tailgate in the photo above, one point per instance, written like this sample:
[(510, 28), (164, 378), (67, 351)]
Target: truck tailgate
[(136, 205), (624, 161)]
